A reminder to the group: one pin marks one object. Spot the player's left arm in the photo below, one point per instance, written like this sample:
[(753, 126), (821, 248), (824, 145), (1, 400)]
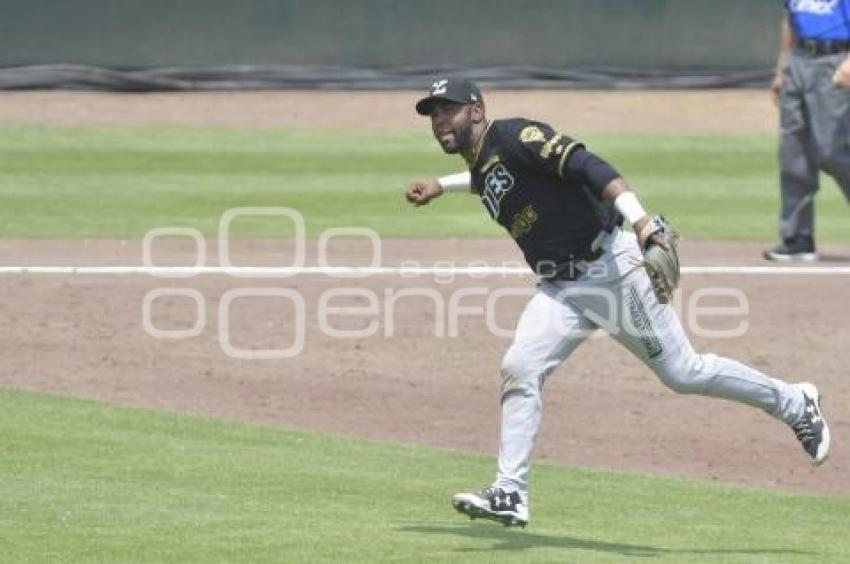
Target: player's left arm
[(656, 237), (627, 203), (561, 156), (608, 185), (569, 159)]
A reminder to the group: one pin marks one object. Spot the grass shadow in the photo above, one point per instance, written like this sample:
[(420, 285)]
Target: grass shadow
[(519, 540)]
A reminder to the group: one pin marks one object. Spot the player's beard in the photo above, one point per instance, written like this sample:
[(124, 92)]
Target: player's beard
[(462, 139)]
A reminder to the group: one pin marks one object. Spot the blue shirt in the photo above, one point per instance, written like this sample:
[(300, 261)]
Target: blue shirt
[(826, 20)]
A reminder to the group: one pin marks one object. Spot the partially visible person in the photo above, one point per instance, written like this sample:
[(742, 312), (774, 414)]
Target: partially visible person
[(812, 88)]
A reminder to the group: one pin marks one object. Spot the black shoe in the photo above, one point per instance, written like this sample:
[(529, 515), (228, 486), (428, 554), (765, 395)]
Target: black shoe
[(493, 503), (799, 249), (811, 429)]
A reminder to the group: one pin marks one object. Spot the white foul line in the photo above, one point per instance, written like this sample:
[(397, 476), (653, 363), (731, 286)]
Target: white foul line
[(346, 271)]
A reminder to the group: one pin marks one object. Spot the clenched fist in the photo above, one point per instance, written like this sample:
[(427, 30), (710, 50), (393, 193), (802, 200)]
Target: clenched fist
[(420, 192)]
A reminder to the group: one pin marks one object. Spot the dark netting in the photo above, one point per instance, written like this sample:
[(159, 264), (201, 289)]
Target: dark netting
[(291, 77)]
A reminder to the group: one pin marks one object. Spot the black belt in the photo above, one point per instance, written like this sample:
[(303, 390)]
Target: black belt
[(817, 47)]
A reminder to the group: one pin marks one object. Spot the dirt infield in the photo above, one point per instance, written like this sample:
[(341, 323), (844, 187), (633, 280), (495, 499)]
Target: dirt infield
[(84, 335), (737, 111)]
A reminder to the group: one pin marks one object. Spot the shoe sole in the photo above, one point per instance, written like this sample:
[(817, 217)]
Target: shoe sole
[(796, 257), (475, 512), (812, 391)]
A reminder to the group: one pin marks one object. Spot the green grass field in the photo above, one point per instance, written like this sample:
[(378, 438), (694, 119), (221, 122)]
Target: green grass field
[(85, 482), (58, 182)]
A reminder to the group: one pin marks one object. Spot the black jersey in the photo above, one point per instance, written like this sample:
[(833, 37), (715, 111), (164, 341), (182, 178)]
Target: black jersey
[(524, 176)]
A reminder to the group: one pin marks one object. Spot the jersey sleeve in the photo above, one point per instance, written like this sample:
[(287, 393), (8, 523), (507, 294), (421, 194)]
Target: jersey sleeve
[(590, 170), (561, 156), (539, 146)]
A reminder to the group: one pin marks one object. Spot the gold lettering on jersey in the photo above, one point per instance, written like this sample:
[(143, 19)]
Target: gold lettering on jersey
[(523, 222), (547, 148), (490, 162), (531, 134)]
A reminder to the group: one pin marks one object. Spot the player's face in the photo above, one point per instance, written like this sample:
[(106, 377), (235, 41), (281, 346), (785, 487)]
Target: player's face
[(452, 126)]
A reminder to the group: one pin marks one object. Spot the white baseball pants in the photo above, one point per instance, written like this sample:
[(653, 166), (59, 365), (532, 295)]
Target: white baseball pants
[(616, 296)]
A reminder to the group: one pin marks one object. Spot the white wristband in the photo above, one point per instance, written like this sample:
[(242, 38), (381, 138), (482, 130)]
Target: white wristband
[(459, 182), (628, 205)]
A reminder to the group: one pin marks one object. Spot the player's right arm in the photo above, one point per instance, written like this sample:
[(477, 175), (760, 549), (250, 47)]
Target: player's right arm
[(422, 191)]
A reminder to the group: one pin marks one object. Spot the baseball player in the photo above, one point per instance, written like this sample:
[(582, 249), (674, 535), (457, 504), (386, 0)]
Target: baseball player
[(564, 206)]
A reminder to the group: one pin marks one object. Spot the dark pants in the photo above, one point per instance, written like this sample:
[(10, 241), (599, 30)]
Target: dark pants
[(815, 135)]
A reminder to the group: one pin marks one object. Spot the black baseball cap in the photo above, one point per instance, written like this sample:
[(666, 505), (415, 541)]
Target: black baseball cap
[(458, 90)]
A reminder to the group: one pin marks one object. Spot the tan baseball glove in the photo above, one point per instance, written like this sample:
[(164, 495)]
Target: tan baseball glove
[(661, 259)]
